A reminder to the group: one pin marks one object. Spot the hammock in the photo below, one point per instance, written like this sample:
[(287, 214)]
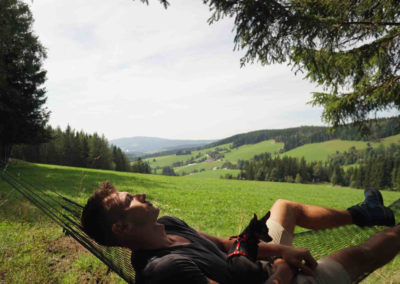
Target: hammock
[(66, 213)]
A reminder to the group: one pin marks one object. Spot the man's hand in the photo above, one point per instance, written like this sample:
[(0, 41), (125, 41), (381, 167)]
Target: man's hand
[(300, 259), (283, 273)]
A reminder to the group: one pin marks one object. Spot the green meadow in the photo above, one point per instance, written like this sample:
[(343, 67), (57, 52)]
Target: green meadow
[(205, 166), (168, 160), (321, 151), (34, 249), (311, 152), (247, 152), (213, 174)]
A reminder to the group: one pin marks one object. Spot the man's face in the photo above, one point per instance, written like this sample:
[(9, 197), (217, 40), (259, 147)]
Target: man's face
[(134, 208)]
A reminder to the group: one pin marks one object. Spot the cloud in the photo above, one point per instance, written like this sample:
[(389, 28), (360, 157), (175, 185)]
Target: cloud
[(123, 68)]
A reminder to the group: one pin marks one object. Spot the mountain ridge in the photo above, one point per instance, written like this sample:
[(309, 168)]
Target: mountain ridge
[(140, 145)]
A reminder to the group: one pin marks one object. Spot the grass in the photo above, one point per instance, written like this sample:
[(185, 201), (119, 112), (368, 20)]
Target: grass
[(214, 174), (208, 166), (162, 161), (34, 250), (391, 139), (311, 152), (321, 151), (247, 152)]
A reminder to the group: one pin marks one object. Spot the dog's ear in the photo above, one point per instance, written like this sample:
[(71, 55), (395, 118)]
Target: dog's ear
[(253, 220), (266, 217)]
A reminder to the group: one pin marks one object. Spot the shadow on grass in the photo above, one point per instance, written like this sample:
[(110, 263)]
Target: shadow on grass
[(74, 183), (68, 180)]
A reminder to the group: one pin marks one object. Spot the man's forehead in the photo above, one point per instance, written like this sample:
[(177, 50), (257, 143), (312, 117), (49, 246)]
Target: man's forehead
[(114, 198)]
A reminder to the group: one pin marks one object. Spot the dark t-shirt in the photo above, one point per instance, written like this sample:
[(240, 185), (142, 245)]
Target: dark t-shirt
[(192, 263)]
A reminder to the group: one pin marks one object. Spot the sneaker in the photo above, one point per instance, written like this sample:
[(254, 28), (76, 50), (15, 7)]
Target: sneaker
[(372, 211), (373, 197)]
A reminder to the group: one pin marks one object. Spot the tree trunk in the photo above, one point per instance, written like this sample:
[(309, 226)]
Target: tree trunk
[(5, 150)]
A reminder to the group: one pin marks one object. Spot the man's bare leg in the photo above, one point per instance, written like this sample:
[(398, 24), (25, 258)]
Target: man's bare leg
[(371, 212), (378, 250), (290, 214)]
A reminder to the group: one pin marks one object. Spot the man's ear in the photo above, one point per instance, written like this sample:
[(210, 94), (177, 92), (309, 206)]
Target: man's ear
[(121, 228)]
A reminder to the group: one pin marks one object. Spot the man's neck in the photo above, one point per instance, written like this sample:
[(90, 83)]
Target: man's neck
[(150, 238)]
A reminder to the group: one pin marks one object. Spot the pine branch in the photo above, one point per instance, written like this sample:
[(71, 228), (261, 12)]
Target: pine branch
[(371, 23), (385, 85)]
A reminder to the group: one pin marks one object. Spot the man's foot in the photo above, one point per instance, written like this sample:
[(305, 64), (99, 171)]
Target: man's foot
[(373, 197), (372, 211)]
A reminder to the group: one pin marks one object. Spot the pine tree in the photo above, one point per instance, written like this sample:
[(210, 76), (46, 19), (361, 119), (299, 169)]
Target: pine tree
[(298, 178), (260, 174), (22, 115), (396, 179), (355, 179), (99, 153)]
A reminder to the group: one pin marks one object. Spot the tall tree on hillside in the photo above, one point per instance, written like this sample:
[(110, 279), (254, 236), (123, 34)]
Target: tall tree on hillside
[(22, 115), (140, 166), (100, 156), (120, 160), (351, 48)]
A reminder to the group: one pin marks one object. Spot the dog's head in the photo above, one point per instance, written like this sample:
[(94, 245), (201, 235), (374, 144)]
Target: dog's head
[(258, 228)]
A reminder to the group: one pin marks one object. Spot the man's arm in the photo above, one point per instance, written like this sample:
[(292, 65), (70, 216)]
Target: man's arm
[(298, 258), (223, 244)]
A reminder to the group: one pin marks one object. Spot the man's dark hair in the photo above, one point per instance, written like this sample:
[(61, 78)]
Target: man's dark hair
[(96, 217)]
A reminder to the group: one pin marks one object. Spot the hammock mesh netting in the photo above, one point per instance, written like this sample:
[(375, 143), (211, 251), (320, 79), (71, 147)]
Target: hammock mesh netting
[(66, 213)]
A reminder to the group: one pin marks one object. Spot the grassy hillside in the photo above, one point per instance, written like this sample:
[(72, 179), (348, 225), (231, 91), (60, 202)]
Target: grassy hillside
[(391, 139), (162, 161), (213, 173), (34, 249), (247, 152), (207, 166), (321, 151), (311, 152)]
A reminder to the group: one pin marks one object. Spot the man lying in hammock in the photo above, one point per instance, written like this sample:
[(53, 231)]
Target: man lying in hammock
[(167, 250)]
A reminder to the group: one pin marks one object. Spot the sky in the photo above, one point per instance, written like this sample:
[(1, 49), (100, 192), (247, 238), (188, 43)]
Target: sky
[(122, 69)]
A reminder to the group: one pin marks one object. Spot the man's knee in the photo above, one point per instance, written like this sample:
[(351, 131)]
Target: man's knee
[(282, 203), (286, 206), (286, 213)]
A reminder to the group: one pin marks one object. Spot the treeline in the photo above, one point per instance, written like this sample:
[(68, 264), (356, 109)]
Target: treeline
[(354, 156), (295, 137), (78, 149), (379, 168), (264, 167)]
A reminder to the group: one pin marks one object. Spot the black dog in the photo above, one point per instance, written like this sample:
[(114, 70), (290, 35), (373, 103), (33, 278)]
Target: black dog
[(243, 254)]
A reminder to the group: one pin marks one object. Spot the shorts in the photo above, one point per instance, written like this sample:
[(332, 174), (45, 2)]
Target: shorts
[(278, 233), (328, 270)]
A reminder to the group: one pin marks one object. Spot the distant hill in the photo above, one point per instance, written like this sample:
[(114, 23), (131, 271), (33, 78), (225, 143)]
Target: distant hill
[(140, 145), (210, 162), (298, 136)]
